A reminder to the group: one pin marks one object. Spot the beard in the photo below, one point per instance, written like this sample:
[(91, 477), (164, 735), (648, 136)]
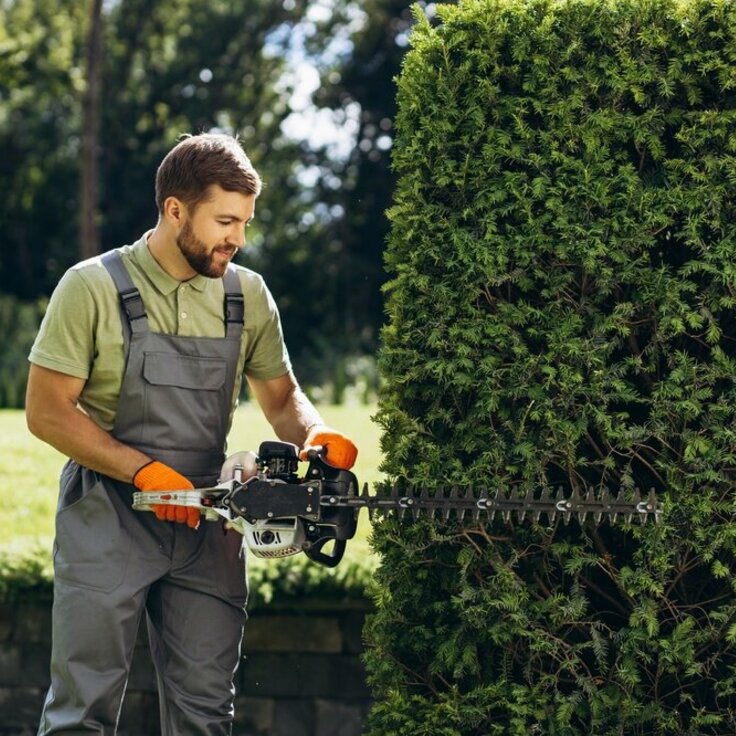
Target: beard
[(199, 257)]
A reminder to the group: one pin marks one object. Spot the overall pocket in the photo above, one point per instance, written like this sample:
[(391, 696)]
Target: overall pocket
[(232, 578), (183, 400), (91, 547)]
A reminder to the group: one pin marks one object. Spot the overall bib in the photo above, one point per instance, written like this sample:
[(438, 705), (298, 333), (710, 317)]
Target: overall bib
[(112, 564)]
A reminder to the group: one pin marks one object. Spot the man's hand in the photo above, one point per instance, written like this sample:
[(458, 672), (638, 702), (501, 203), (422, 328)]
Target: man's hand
[(156, 476), (245, 460), (340, 452)]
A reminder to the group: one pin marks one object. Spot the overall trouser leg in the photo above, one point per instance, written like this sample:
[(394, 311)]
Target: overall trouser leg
[(195, 623), (94, 635), (107, 556), (192, 681)]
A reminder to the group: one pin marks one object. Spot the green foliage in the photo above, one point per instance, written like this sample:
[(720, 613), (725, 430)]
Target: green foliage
[(41, 45), (359, 88), (19, 323), (270, 581), (24, 573), (299, 578), (563, 283)]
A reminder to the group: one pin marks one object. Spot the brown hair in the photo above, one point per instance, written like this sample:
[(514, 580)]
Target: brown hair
[(199, 161)]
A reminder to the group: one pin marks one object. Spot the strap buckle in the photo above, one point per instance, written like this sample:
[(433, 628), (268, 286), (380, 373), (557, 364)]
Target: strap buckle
[(234, 309), (133, 304)]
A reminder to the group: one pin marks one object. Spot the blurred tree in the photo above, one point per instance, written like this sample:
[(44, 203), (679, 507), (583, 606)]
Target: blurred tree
[(168, 69), (361, 85), (41, 44), (335, 250), (192, 66)]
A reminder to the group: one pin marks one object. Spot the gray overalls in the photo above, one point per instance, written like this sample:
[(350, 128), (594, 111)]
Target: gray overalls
[(112, 563)]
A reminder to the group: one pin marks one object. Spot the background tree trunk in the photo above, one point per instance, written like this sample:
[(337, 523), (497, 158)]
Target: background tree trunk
[(90, 240)]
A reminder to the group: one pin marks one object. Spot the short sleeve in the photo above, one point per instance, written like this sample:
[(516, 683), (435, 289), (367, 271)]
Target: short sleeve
[(65, 340), (266, 354)]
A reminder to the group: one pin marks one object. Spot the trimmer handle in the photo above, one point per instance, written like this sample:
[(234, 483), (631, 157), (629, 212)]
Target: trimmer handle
[(332, 560)]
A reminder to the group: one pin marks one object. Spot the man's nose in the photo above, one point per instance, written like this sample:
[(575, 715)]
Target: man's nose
[(236, 236)]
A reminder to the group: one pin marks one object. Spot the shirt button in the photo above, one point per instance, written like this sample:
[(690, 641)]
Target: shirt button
[(183, 315)]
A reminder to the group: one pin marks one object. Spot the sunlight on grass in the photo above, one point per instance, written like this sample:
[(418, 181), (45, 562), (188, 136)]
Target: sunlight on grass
[(29, 476), (29, 472)]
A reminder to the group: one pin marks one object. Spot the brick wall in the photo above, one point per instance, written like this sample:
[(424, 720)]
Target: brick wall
[(301, 673)]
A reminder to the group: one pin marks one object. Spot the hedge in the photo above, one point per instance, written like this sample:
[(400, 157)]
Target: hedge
[(563, 284), (290, 578)]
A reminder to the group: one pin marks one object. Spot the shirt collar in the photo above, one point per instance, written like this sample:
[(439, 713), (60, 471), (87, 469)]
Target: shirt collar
[(164, 282)]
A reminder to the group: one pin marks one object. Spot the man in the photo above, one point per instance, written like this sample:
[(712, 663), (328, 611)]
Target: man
[(134, 376)]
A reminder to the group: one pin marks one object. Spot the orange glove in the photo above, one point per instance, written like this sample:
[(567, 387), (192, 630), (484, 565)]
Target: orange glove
[(156, 476), (340, 452)]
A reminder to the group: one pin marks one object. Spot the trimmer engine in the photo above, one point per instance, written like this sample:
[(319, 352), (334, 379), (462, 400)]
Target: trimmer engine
[(261, 501)]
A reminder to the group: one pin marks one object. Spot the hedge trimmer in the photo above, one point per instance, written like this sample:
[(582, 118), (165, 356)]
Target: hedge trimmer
[(281, 514)]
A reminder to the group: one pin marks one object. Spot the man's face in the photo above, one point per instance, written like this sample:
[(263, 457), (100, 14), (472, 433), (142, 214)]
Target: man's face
[(213, 234)]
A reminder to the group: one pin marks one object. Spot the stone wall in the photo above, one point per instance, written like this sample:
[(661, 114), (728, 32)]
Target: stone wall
[(301, 673)]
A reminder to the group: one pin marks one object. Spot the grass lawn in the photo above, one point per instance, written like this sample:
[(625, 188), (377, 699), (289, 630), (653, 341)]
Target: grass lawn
[(29, 471)]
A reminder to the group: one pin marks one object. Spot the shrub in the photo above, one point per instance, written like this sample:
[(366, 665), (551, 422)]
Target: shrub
[(561, 314), (292, 578)]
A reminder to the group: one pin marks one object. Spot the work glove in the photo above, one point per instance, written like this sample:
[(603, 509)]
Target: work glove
[(156, 476), (340, 452), (246, 461)]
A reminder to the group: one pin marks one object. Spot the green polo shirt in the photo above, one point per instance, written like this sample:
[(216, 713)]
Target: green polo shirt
[(81, 333)]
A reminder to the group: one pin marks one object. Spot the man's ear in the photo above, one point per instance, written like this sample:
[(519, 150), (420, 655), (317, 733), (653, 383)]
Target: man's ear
[(174, 211)]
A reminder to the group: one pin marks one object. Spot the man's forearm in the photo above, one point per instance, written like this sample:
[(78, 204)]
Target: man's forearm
[(75, 435), (297, 415), (286, 407), (294, 419)]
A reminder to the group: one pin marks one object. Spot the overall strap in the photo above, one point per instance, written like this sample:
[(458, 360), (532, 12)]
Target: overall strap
[(234, 304), (132, 307), (131, 302)]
